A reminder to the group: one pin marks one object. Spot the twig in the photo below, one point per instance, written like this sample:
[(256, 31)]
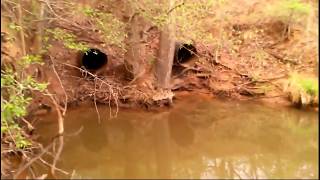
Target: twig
[(175, 7), (95, 101), (72, 175), (59, 17), (23, 45), (60, 132), (56, 157), (6, 8), (32, 172), (50, 165), (31, 161), (75, 133), (280, 58), (217, 62), (261, 97), (235, 172), (133, 16), (60, 117), (60, 82), (43, 176), (114, 95), (28, 124)]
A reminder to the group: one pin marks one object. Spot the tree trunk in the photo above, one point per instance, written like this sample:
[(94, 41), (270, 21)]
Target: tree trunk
[(134, 57), (166, 50)]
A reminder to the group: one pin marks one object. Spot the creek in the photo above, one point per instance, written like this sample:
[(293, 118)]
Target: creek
[(196, 138)]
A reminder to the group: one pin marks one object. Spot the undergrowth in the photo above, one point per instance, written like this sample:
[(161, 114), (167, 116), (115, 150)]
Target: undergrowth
[(111, 29), (288, 11), (303, 90), (188, 17), (16, 89), (68, 39)]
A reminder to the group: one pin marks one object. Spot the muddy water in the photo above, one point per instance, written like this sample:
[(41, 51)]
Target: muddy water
[(197, 138)]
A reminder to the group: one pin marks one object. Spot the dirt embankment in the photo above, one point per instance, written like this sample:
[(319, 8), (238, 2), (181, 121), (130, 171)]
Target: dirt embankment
[(252, 63), (239, 76)]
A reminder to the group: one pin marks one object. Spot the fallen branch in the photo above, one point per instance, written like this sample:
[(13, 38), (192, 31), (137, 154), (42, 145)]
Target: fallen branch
[(51, 166), (280, 58), (175, 7), (56, 157), (47, 2), (95, 101), (60, 82), (111, 88), (20, 170), (60, 132), (60, 117)]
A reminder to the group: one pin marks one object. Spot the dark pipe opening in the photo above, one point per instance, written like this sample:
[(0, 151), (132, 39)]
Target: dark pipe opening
[(93, 59), (183, 53)]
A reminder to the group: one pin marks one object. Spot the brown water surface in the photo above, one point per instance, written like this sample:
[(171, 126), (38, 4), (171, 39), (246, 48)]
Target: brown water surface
[(197, 138)]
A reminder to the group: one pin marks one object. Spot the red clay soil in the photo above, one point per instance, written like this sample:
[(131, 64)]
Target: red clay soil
[(253, 64)]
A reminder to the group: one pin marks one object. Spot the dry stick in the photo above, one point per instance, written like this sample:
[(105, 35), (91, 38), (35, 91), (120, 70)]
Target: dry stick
[(73, 173), (235, 172), (32, 161), (175, 7), (32, 172), (263, 81), (60, 132), (60, 82), (43, 176), (102, 81), (7, 9), (246, 75), (265, 97), (185, 70), (60, 117), (28, 124), (56, 157), (50, 165), (9, 132), (59, 17), (215, 61), (75, 133), (95, 101), (23, 45)]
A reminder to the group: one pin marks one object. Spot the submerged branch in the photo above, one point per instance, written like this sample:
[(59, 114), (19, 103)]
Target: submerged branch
[(20, 170), (60, 132)]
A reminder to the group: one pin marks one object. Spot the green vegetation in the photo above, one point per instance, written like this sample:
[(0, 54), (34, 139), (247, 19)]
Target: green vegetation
[(14, 26), (288, 11), (15, 97), (188, 17), (68, 39), (111, 29), (303, 90)]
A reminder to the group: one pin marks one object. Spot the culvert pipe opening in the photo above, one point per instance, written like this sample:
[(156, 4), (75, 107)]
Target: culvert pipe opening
[(184, 52), (93, 59)]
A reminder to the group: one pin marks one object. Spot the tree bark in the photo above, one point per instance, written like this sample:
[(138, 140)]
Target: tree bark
[(134, 58), (166, 50)]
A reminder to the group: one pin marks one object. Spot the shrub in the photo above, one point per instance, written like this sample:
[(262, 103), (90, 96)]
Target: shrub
[(68, 39), (15, 97), (302, 90)]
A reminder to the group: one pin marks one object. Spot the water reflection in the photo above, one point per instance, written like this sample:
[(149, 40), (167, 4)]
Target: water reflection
[(162, 145), (202, 139), (181, 130)]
